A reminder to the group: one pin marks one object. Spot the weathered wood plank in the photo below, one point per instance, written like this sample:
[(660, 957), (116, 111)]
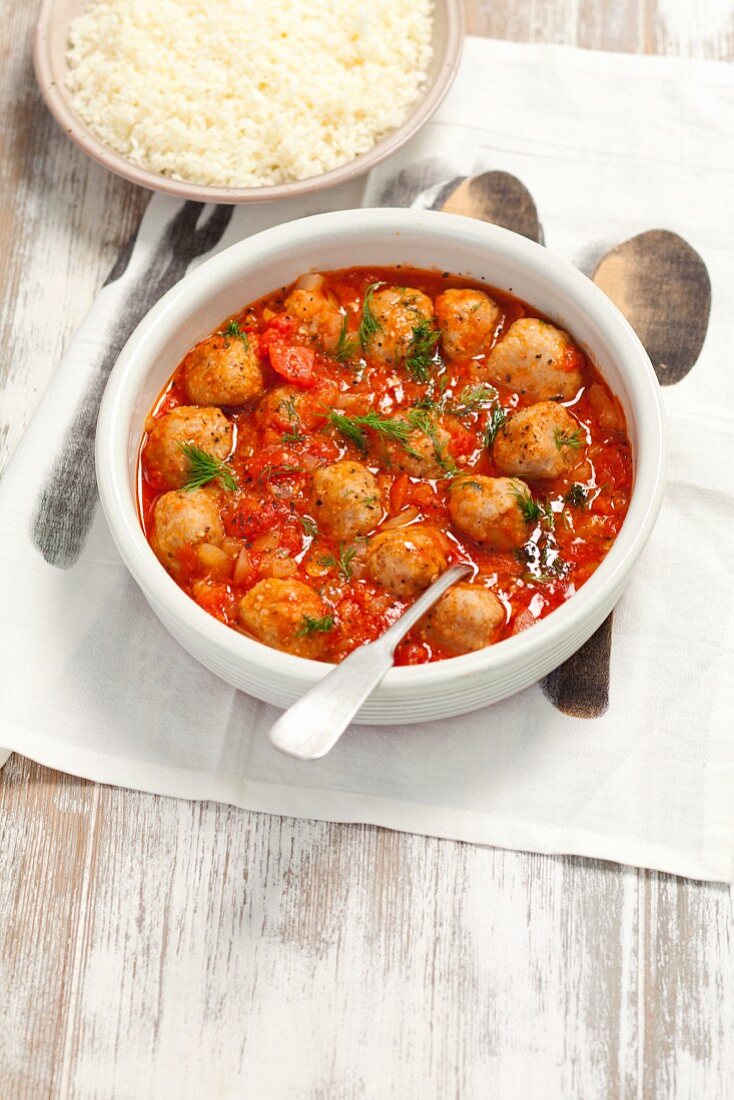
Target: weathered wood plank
[(596, 24), (55, 202), (45, 836)]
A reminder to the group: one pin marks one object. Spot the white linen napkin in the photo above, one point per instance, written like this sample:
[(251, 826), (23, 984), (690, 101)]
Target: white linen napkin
[(635, 766)]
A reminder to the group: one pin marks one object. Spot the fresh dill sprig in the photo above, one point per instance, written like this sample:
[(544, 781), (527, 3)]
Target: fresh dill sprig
[(341, 561), (421, 350), (233, 329), (576, 495), (369, 325), (294, 435), (547, 514), (308, 525), (347, 345), (530, 508), (544, 563), (315, 626), (352, 427), (203, 468), (429, 403), (472, 399), (432, 401), (289, 404), (496, 419), (567, 439), (550, 567), (422, 421)]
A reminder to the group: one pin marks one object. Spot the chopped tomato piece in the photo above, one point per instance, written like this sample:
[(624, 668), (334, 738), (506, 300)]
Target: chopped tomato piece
[(573, 359), (250, 516), (399, 492), (273, 461), (463, 441), (295, 364), (278, 326)]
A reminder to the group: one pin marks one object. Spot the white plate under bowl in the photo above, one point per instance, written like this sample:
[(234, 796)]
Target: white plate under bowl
[(381, 237)]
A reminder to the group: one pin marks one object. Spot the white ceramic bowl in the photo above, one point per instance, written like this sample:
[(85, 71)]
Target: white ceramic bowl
[(222, 285)]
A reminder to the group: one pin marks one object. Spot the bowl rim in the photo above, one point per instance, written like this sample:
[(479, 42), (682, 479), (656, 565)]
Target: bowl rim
[(601, 589), (58, 101)]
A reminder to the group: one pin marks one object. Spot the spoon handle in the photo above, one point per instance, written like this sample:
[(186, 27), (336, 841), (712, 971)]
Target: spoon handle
[(316, 722)]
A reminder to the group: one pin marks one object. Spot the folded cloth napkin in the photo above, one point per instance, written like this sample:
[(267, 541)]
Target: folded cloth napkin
[(627, 752)]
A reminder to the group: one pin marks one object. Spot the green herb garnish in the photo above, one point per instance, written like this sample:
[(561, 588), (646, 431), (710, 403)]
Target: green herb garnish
[(472, 399), (347, 345), (203, 468), (315, 626), (496, 419), (294, 435), (576, 495), (289, 404), (530, 508), (233, 329), (352, 427), (567, 439), (423, 422), (369, 325), (343, 561), (547, 513), (308, 525), (421, 350)]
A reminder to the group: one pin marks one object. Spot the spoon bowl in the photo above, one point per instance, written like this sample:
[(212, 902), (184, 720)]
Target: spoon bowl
[(313, 725)]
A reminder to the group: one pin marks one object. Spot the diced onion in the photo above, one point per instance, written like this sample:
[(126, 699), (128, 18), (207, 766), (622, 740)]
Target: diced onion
[(283, 567), (242, 567), (269, 541), (310, 282), (211, 557), (231, 546), (348, 401), (402, 519)]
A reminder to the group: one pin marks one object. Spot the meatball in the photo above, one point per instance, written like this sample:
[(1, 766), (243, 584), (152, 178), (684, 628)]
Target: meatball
[(406, 560), (537, 359), (466, 618), (182, 518), (467, 319), (208, 429), (282, 614), (402, 315), (223, 370), (345, 500), (490, 510), (287, 409), (316, 316), (428, 455), (540, 441)]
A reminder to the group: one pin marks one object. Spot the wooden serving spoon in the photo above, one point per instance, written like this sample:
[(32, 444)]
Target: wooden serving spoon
[(662, 287), (496, 197)]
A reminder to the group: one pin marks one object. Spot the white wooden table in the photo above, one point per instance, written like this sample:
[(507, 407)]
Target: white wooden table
[(154, 948)]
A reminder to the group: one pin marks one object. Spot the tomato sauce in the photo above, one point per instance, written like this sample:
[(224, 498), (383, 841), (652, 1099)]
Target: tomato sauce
[(277, 448)]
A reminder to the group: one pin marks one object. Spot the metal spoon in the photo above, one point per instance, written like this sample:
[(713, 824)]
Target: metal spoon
[(315, 723)]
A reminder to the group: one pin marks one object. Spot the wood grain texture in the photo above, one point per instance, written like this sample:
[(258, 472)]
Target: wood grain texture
[(155, 948)]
